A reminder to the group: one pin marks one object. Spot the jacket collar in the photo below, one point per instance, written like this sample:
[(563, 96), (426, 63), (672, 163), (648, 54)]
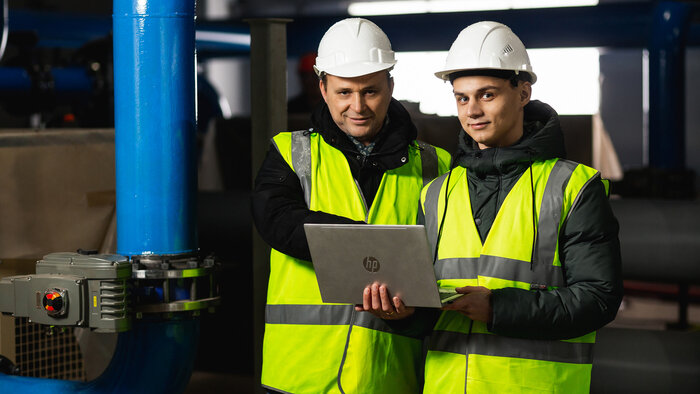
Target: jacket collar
[(542, 140)]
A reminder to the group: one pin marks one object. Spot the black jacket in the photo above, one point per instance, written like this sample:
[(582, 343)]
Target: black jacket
[(278, 207), (588, 244)]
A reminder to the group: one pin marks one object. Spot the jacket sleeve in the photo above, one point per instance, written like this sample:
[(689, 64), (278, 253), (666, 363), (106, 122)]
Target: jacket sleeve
[(590, 253), (279, 210)]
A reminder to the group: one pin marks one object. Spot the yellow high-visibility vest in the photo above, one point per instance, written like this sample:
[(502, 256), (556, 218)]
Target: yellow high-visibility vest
[(314, 347), (463, 356)]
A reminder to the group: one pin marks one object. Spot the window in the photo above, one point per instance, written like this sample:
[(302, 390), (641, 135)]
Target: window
[(567, 79)]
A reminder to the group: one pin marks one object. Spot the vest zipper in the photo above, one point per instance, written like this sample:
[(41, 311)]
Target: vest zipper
[(362, 197), (534, 220), (466, 361)]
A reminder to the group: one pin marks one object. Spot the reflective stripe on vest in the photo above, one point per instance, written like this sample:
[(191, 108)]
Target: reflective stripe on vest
[(550, 215), (500, 346), (431, 211), (301, 160), (499, 267), (324, 314)]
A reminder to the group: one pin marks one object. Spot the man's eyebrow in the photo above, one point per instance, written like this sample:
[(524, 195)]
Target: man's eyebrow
[(363, 89), (372, 87), (481, 89)]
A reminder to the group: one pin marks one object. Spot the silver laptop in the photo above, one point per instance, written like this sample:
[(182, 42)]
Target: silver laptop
[(348, 257)]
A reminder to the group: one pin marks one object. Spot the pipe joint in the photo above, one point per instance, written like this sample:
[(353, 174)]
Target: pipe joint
[(172, 284)]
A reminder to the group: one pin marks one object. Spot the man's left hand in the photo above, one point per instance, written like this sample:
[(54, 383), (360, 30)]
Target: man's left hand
[(475, 303)]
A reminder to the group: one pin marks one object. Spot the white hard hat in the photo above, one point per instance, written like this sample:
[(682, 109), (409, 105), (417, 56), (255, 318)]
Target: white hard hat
[(488, 46), (354, 47)]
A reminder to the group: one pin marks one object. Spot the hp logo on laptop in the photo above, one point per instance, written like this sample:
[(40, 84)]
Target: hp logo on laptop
[(371, 264)]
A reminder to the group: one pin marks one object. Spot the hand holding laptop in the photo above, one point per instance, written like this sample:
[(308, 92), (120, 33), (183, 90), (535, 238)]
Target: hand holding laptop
[(376, 300), (475, 303)]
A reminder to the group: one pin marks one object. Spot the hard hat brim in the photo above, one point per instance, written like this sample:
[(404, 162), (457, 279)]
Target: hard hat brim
[(356, 69), (445, 74)]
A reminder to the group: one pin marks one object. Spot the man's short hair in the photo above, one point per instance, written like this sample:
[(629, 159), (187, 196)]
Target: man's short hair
[(510, 75)]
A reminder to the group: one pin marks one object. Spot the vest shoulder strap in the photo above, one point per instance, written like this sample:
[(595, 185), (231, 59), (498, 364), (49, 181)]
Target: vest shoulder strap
[(301, 160), (549, 219), (430, 197), (429, 162)]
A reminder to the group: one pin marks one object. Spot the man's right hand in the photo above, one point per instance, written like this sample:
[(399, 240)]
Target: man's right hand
[(376, 300)]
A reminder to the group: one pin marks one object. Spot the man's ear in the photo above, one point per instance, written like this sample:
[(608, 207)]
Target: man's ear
[(525, 93), (322, 88)]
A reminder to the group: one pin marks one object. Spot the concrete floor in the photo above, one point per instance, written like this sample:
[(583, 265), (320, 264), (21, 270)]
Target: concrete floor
[(636, 312)]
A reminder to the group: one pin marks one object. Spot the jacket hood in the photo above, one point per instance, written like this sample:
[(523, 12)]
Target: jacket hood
[(542, 140), (391, 144)]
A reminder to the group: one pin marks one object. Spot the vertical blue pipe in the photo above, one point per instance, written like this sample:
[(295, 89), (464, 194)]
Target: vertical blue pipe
[(667, 85), (154, 72), (155, 125)]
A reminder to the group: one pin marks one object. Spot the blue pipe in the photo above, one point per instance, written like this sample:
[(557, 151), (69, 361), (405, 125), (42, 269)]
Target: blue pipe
[(153, 357), (154, 76), (15, 80), (667, 85), (155, 126), (67, 82), (71, 81), (68, 30)]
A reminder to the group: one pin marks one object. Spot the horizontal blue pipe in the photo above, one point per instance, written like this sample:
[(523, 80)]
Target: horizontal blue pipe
[(155, 126), (73, 80), (153, 357), (59, 29), (625, 24), (66, 30), (66, 83), (14, 79)]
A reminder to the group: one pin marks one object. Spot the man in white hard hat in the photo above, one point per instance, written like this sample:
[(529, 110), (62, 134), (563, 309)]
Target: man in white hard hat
[(359, 163), (528, 237)]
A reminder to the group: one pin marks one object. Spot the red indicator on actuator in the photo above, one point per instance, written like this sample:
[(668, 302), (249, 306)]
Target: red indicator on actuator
[(54, 303)]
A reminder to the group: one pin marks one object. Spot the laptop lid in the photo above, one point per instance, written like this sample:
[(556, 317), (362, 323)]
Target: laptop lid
[(348, 257)]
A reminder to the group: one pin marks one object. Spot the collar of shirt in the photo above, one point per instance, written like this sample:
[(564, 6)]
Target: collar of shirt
[(365, 150)]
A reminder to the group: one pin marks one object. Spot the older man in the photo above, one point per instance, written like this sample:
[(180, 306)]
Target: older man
[(359, 163)]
